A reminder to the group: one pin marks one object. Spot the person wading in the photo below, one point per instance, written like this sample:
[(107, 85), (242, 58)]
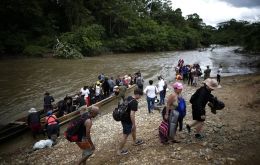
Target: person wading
[(128, 123)]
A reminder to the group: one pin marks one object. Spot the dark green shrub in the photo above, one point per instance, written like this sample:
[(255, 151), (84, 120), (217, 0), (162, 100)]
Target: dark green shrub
[(35, 51)]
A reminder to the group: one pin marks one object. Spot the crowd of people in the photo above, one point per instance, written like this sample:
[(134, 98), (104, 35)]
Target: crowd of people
[(172, 115), (192, 73), (87, 96), (174, 108)]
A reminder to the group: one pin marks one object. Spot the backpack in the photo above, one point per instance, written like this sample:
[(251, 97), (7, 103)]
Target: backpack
[(216, 105), (181, 107), (119, 113), (165, 86), (164, 129), (194, 96), (72, 133), (139, 81)]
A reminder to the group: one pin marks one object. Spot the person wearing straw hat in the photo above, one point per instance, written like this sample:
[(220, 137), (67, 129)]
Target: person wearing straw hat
[(34, 122), (199, 101)]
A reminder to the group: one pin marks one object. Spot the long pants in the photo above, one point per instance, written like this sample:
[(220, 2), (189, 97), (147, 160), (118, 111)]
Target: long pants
[(180, 123), (162, 96), (185, 77), (150, 104), (190, 80), (218, 78)]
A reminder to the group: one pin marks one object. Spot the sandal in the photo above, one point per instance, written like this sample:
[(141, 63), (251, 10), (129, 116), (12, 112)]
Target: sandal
[(176, 141), (138, 142)]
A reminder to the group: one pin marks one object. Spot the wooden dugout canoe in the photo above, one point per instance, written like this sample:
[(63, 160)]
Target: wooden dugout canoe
[(20, 126)]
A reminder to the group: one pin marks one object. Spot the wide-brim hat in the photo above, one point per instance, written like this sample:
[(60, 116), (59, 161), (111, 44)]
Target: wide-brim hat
[(32, 110), (211, 83), (115, 88)]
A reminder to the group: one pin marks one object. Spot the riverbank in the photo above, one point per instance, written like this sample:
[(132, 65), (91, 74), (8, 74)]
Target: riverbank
[(232, 135)]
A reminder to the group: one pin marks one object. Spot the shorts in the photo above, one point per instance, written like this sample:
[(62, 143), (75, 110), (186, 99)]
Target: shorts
[(127, 128), (196, 115), (87, 152)]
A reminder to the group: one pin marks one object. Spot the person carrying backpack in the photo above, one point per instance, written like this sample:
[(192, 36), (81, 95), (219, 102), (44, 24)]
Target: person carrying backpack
[(79, 131), (128, 122), (199, 101), (52, 126)]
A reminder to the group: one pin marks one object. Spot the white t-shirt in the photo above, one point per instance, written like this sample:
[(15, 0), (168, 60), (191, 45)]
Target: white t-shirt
[(150, 91), (84, 92), (161, 83), (98, 90)]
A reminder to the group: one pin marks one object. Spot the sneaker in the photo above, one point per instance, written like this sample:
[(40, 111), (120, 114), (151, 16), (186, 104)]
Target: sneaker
[(188, 128), (175, 141), (199, 136), (165, 142), (122, 152), (138, 142)]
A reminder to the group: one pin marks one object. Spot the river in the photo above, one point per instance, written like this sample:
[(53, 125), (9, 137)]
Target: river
[(24, 81)]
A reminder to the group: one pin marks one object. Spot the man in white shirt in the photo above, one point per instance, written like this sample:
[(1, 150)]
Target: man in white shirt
[(98, 91), (151, 91), (85, 92), (161, 89)]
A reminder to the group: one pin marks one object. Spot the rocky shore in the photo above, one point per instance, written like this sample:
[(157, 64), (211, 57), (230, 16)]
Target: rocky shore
[(231, 136)]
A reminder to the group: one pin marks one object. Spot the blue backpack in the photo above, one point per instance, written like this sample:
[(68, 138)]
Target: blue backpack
[(181, 107)]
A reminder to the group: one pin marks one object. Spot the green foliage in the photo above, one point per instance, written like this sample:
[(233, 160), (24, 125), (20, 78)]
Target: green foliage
[(252, 38), (87, 40), (34, 51), (14, 43), (64, 50), (239, 33), (93, 26)]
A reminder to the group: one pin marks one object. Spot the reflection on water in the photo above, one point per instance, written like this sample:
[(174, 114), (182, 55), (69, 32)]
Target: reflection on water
[(23, 81)]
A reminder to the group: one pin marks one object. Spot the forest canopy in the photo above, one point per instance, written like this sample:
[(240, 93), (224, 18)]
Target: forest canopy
[(76, 28)]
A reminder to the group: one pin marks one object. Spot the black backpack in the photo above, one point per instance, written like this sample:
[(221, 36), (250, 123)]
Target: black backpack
[(165, 86), (119, 113), (216, 105), (194, 97), (73, 133)]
